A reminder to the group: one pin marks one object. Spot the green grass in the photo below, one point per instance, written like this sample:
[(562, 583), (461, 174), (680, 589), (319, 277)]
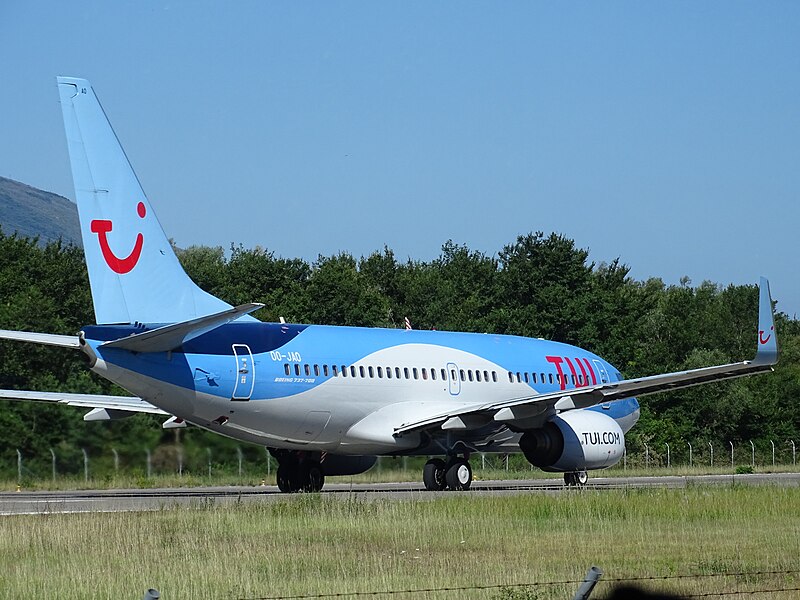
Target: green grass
[(308, 544)]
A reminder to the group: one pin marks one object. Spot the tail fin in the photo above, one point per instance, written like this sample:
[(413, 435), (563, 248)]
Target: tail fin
[(133, 272)]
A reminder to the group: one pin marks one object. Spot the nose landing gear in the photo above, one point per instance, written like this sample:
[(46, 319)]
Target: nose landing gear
[(576, 478), (455, 474)]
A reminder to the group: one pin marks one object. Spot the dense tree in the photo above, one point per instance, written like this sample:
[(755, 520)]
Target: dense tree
[(540, 285)]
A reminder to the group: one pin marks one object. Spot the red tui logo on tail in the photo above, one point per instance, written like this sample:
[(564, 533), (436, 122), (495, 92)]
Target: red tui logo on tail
[(119, 265)]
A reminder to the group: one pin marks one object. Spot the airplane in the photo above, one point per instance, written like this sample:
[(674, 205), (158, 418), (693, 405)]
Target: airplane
[(327, 400)]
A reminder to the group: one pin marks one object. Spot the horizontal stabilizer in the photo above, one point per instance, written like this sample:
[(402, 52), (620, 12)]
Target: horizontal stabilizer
[(114, 403), (174, 336), (50, 339)]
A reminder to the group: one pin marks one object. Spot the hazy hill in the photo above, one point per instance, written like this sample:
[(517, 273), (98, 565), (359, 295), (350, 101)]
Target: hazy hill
[(31, 212)]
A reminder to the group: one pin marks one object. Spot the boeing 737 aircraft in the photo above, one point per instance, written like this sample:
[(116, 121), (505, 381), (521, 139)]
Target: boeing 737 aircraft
[(326, 400)]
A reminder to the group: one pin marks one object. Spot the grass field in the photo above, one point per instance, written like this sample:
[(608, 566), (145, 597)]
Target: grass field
[(310, 544)]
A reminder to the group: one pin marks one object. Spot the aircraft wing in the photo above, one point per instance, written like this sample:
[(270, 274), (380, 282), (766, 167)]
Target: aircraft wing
[(517, 409), (126, 404), (50, 339)]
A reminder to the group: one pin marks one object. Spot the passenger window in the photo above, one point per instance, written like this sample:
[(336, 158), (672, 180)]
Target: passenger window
[(297, 369), (510, 377), (335, 371), (286, 369), (361, 371), (405, 372), (477, 375), (316, 370), (469, 374), (453, 374), (352, 370), (414, 371), (433, 374), (519, 377), (526, 377), (494, 376), (307, 370), (486, 376), (533, 376), (397, 372), (380, 372), (371, 372), (425, 374), (444, 375), (551, 377), (388, 372), (344, 371), (325, 370)]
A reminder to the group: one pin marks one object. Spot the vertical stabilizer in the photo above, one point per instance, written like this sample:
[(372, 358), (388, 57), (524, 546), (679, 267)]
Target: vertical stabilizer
[(133, 272)]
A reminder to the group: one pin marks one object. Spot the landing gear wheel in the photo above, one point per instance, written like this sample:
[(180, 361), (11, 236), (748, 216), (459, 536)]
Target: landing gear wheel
[(285, 479), (459, 475), (433, 475), (576, 478), (313, 478)]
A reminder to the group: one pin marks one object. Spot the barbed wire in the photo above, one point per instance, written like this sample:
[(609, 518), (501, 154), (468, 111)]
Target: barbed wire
[(550, 583)]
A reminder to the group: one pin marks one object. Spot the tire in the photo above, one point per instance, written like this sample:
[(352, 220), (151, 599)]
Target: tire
[(284, 477), (313, 478), (581, 478), (569, 479), (459, 475), (433, 475)]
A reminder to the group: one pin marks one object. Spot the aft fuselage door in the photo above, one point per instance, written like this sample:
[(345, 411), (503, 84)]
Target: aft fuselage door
[(453, 380), (245, 372)]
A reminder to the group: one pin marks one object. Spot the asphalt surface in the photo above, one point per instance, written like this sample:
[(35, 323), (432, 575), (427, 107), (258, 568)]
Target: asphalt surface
[(95, 501)]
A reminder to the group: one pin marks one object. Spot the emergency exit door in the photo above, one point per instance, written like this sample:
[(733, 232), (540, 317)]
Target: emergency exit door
[(245, 372)]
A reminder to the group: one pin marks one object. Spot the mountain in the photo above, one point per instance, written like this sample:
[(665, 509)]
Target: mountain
[(32, 212)]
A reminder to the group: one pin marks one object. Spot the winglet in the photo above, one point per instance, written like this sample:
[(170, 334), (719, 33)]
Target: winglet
[(767, 353)]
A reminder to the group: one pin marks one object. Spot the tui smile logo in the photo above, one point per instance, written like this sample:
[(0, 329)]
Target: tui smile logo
[(119, 265), (763, 340)]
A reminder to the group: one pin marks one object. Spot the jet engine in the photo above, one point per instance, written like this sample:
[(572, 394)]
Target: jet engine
[(574, 441)]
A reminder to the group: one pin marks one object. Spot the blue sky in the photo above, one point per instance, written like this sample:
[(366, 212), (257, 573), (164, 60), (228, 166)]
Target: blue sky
[(665, 134)]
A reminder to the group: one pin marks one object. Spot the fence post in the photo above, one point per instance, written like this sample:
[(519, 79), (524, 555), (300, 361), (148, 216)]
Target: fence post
[(53, 461), (710, 445), (646, 456), (149, 463), (239, 456), (483, 460), (116, 460), (19, 466), (625, 458), (591, 579), (753, 459), (180, 461), (85, 465), (690, 454), (794, 462), (731, 443), (667, 445), (268, 460), (773, 452), (208, 453)]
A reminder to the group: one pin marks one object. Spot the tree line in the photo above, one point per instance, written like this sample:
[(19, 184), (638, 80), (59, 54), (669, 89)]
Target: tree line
[(540, 285)]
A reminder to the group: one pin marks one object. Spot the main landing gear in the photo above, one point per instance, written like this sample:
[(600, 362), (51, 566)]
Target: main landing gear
[(298, 473), (455, 474), (576, 478)]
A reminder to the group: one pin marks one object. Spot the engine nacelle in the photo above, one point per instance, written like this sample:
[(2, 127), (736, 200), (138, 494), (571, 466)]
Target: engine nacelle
[(574, 441)]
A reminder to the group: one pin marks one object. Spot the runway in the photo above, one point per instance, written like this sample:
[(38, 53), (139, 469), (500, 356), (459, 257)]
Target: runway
[(96, 501)]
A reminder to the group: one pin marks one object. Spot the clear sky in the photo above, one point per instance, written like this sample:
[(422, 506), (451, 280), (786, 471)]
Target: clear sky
[(665, 134)]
